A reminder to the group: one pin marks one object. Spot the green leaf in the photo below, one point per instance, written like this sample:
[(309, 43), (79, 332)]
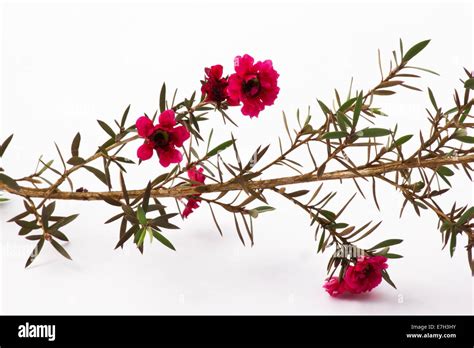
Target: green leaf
[(452, 245), (347, 105), (106, 128), (146, 196), (124, 117), (124, 160), (141, 236), (163, 98), (307, 129), (110, 200), (47, 211), (373, 132), (466, 139), (162, 239), (46, 166), (31, 225), (262, 209), (393, 256), (469, 84), (386, 277), (383, 92), (444, 171), (298, 193), (5, 144), (5, 179), (59, 235), (335, 135), (357, 109), (60, 249), (35, 237), (432, 99), (220, 148), (127, 236), (321, 241), (402, 140), (97, 173), (338, 225), (64, 222), (75, 145), (342, 121), (75, 160), (328, 215), (466, 216), (141, 216), (386, 243), (323, 107), (415, 50), (35, 252), (163, 221)]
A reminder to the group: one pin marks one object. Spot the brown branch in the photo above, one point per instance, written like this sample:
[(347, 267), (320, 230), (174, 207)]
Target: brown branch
[(182, 191)]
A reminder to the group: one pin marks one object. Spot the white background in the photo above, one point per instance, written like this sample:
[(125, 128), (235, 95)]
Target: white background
[(66, 65)]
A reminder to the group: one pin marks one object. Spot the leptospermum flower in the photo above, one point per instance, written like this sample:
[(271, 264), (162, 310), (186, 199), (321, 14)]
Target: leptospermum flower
[(254, 85), (365, 275), (335, 287), (163, 138), (214, 85), (198, 177)]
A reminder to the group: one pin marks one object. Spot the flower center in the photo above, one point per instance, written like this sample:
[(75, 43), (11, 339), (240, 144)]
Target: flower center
[(160, 138), (218, 92), (367, 270), (251, 87)]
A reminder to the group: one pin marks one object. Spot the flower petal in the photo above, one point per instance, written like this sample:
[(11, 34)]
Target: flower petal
[(145, 151), (196, 174), (179, 135), (243, 65), (167, 118), (215, 71), (190, 206), (168, 156), (144, 126)]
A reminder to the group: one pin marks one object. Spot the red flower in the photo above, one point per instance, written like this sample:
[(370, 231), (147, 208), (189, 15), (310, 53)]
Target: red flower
[(255, 85), (214, 85), (163, 137), (334, 287), (366, 274), (193, 201), (190, 206), (196, 175)]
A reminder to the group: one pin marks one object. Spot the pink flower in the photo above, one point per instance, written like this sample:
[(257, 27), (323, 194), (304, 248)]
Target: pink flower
[(214, 85), (334, 287), (255, 85), (163, 138), (193, 203), (366, 274), (196, 175)]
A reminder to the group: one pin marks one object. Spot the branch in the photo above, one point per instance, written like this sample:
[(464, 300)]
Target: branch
[(182, 191)]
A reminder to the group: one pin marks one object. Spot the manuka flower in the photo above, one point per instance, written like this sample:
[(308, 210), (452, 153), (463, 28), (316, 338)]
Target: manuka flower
[(365, 275), (335, 287), (254, 85), (214, 85), (198, 178), (164, 138)]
